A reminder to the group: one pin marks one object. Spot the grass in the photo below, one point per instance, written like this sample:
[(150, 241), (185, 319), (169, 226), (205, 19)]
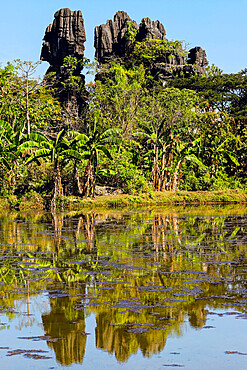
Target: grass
[(159, 198), (125, 200)]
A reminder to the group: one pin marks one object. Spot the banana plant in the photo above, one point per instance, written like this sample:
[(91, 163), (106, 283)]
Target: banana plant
[(91, 145), (55, 149), (183, 151)]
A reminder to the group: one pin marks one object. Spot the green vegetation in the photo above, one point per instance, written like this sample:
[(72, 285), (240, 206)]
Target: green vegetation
[(133, 134)]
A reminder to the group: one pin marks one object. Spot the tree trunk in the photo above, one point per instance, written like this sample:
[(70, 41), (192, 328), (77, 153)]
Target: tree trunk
[(174, 186), (88, 181), (155, 171), (163, 172), (77, 187), (58, 225), (27, 106), (57, 189)]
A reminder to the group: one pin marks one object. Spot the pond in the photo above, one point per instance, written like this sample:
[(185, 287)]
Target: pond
[(133, 289)]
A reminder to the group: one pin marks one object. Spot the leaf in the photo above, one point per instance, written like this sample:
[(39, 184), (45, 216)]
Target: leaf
[(60, 135), (111, 132), (7, 128), (234, 233), (141, 135), (72, 153), (105, 151), (82, 138), (38, 154), (5, 162), (106, 172), (233, 159), (193, 158)]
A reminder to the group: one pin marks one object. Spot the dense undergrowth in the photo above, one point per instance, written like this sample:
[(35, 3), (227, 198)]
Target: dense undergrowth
[(182, 142)]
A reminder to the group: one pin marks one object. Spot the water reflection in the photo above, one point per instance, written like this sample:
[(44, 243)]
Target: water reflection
[(141, 273), (67, 328)]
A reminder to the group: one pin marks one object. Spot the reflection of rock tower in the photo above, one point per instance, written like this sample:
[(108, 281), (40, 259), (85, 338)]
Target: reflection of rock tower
[(65, 37), (66, 325)]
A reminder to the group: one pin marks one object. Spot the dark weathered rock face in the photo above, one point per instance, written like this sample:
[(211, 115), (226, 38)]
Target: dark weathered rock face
[(109, 38), (150, 30), (197, 56), (65, 36), (112, 40)]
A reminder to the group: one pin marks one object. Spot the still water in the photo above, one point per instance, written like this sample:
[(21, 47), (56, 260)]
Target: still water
[(140, 289)]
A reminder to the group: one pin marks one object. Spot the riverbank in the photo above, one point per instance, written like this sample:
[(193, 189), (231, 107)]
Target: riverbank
[(35, 201)]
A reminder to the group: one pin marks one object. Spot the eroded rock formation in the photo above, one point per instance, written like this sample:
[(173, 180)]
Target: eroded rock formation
[(112, 40), (150, 30), (65, 36), (109, 38), (198, 56), (115, 39)]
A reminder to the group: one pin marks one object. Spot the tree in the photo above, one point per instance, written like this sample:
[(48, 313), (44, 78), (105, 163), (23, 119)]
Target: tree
[(56, 149), (91, 146), (117, 96), (27, 69), (165, 115), (26, 100), (69, 88), (11, 139)]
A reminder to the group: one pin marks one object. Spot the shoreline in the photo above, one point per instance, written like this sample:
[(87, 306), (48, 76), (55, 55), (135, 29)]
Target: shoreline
[(126, 200)]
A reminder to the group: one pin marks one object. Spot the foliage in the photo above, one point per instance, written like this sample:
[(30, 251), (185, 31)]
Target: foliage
[(125, 130), (117, 97), (131, 33), (26, 100), (155, 50), (92, 145), (125, 174)]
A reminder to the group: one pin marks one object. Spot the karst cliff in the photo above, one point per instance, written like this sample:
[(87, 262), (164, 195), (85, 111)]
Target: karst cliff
[(116, 38)]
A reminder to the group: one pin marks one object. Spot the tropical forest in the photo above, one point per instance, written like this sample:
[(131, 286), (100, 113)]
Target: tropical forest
[(155, 119), (123, 197)]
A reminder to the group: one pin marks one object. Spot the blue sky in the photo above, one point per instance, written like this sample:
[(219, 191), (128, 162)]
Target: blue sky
[(219, 26)]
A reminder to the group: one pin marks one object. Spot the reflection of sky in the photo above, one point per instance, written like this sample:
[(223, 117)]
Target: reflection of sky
[(195, 349), (22, 325)]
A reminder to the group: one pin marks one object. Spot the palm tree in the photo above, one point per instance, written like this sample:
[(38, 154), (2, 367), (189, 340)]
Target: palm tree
[(217, 153), (10, 141)]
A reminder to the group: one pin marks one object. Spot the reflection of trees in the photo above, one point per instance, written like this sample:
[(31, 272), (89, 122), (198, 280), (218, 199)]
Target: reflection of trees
[(86, 226), (158, 267), (57, 221), (67, 327), (184, 250), (162, 238), (117, 339), (145, 319)]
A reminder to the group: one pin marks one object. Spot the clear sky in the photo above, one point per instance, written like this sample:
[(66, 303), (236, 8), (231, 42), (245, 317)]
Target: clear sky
[(219, 26)]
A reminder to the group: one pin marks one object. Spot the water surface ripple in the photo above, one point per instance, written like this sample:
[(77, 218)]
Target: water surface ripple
[(140, 289)]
